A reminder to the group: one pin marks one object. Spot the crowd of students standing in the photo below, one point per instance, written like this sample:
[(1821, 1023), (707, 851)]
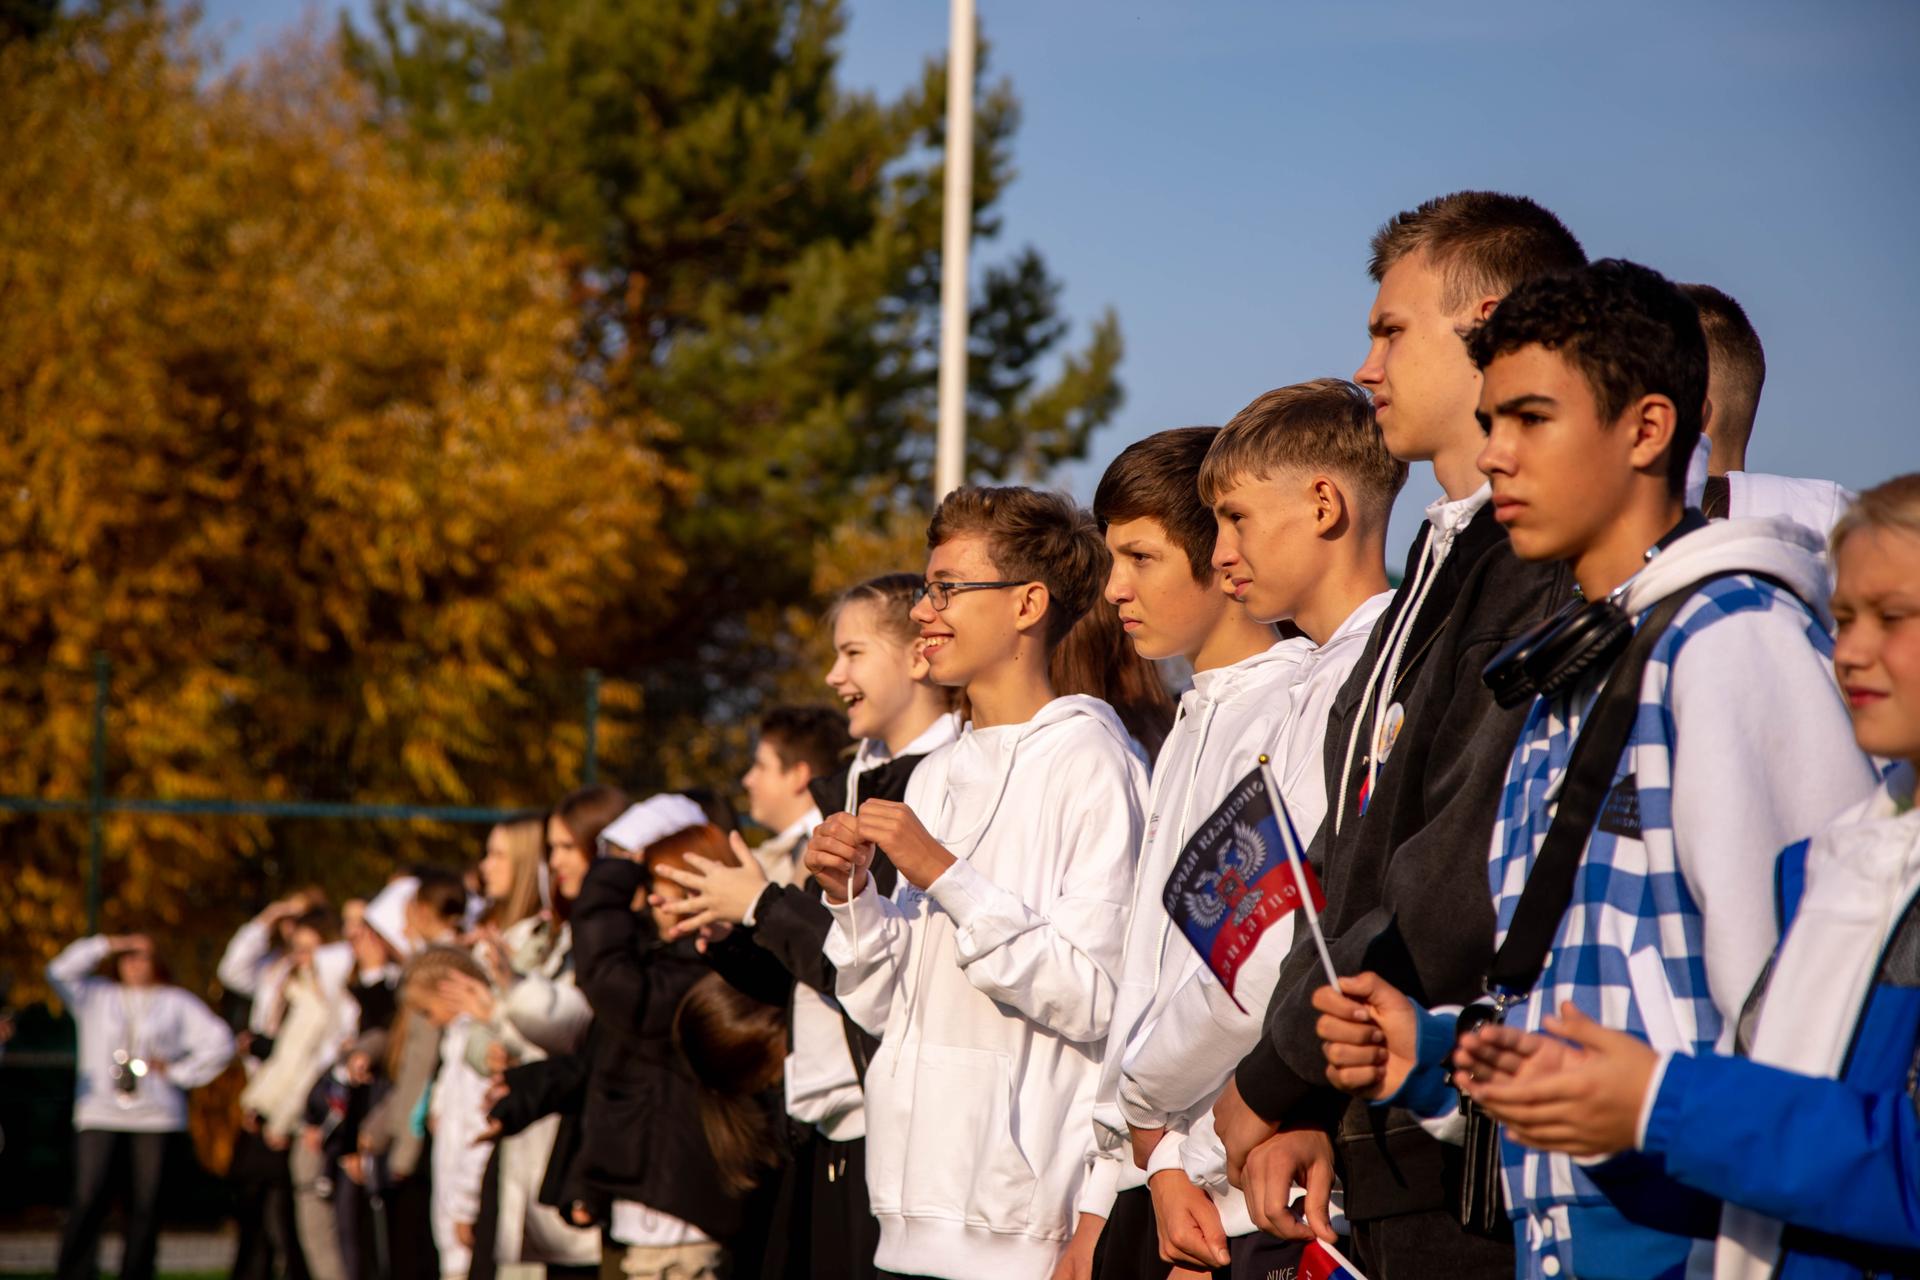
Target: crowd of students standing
[(1610, 801)]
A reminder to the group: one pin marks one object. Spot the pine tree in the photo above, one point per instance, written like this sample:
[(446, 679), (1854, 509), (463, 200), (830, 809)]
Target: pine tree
[(757, 252)]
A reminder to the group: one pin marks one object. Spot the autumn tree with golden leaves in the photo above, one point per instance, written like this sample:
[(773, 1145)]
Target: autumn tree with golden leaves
[(302, 441)]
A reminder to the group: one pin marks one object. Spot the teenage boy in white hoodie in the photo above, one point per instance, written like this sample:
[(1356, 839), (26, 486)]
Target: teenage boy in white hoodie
[(1592, 393), (1302, 486), (990, 972), (1172, 603)]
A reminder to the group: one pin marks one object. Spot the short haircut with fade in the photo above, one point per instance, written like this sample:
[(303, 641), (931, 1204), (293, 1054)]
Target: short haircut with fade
[(1734, 347), (1325, 425), (1159, 479), (1627, 328), (1032, 536), (1482, 242), (1892, 506), (815, 736)]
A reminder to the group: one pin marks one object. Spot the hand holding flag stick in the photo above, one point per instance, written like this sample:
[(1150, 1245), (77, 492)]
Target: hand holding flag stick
[(1310, 895), (1240, 874)]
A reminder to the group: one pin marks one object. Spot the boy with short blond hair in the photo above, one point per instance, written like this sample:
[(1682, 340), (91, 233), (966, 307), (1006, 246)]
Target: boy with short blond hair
[(1416, 754), (1301, 487), (1172, 604)]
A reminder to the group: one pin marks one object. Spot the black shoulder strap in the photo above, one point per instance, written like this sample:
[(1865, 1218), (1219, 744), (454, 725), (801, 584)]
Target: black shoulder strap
[(1717, 502), (1608, 727)]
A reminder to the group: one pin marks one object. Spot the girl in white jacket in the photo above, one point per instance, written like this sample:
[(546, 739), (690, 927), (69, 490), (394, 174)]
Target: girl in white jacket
[(141, 1044)]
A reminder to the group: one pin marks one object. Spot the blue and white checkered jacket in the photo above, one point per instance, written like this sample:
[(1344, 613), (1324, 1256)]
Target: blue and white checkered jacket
[(1768, 755)]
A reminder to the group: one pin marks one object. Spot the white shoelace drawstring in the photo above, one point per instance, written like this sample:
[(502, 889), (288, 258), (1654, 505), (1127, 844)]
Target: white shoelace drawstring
[(972, 840), (1387, 660)]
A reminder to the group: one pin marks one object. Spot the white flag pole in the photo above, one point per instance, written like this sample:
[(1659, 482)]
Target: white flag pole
[(1291, 839), (950, 448)]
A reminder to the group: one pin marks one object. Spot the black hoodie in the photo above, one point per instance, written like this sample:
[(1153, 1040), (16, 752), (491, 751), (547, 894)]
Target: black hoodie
[(1406, 883)]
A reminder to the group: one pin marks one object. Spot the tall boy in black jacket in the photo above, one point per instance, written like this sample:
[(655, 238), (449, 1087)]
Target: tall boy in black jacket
[(1416, 755)]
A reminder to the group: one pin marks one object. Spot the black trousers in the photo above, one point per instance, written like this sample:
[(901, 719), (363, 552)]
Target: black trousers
[(1415, 1245), (267, 1233), (96, 1153), (486, 1226), (396, 1226), (1129, 1248), (822, 1224)]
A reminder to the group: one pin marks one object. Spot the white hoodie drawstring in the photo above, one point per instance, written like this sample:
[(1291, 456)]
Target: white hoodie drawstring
[(853, 795), (973, 841), (1387, 660)]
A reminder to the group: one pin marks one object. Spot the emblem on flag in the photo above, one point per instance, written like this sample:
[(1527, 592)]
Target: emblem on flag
[(1239, 875)]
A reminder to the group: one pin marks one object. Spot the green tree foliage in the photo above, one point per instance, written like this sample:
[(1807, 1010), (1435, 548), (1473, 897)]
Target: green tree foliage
[(757, 251), (355, 404)]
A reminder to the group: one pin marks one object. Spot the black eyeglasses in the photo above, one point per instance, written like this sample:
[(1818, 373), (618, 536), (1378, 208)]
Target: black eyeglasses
[(942, 593)]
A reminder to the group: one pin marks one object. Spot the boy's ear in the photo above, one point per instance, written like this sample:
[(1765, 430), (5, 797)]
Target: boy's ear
[(1652, 419), (1034, 598), (1329, 504)]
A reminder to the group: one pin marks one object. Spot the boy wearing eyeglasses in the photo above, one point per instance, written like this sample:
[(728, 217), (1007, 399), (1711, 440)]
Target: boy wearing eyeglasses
[(989, 974)]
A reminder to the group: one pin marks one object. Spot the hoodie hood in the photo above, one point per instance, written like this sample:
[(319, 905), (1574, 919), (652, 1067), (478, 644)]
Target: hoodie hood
[(1776, 547), (1069, 708), (1223, 684), (387, 913), (980, 764)]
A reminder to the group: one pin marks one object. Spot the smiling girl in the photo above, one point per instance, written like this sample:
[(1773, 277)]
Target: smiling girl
[(823, 1224)]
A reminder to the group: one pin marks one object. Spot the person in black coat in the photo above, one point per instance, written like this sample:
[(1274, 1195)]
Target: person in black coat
[(1416, 754), (645, 1169)]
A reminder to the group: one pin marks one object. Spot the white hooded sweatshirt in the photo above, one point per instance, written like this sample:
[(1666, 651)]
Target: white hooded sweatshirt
[(1175, 1063), (543, 1013), (1815, 505), (822, 1084), (311, 1016), (993, 992), (1226, 721), (157, 1024)]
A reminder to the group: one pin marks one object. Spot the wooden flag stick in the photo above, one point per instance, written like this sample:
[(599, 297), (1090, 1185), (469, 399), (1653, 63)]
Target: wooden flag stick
[(1291, 838)]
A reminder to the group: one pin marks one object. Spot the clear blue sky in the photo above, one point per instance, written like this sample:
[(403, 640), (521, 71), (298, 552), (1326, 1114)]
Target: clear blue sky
[(1213, 173)]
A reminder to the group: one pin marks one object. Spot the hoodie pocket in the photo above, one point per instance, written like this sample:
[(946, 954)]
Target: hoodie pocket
[(962, 1156)]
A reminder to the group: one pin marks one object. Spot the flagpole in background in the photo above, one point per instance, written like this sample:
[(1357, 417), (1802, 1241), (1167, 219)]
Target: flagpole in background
[(950, 450), (1291, 838)]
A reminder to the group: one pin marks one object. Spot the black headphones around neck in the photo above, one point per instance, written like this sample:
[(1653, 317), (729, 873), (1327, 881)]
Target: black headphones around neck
[(1551, 656)]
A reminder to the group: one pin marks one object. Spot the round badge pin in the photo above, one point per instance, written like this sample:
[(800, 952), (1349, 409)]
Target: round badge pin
[(1389, 732)]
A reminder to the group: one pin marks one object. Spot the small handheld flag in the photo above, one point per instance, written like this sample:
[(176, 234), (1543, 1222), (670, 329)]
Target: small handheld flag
[(1240, 874), (1321, 1261)]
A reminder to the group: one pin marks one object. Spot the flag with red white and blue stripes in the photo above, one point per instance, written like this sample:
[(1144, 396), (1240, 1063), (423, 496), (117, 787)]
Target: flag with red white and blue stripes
[(1237, 878)]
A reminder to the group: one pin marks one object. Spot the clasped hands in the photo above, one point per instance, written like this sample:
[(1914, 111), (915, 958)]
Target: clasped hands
[(839, 856), (841, 851), (1578, 1088)]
